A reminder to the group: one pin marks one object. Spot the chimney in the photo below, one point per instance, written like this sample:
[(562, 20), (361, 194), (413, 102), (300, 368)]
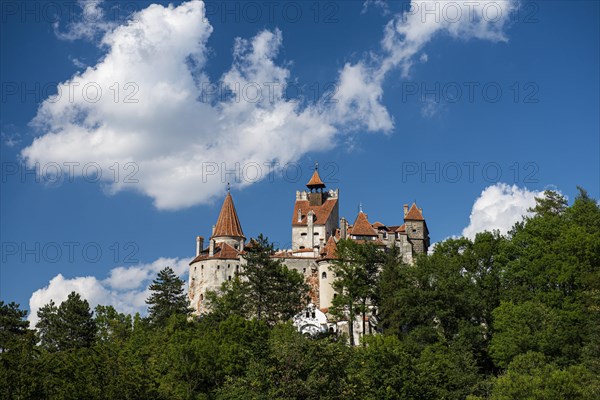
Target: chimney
[(211, 248), (405, 209), (213, 230), (199, 245), (299, 215), (321, 244), (344, 228), (421, 211)]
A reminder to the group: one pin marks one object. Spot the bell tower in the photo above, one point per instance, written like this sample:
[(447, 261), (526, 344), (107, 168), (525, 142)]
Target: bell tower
[(315, 216)]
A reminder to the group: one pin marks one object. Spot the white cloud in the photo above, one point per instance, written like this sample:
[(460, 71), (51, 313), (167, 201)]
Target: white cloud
[(126, 288), (499, 206), (89, 25), (180, 124)]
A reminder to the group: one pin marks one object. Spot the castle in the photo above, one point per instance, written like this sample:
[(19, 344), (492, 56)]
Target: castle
[(316, 229)]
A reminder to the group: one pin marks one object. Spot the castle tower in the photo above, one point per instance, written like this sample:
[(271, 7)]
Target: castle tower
[(221, 260), (416, 228), (315, 216), (228, 228)]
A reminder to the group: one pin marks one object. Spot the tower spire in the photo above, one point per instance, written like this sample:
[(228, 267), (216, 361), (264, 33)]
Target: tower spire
[(228, 223), (315, 181)]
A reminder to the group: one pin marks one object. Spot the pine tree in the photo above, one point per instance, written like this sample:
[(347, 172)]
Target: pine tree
[(275, 293), (168, 297), (12, 324), (69, 326)]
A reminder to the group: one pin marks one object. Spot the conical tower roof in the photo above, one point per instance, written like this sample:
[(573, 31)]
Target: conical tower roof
[(315, 181), (228, 223)]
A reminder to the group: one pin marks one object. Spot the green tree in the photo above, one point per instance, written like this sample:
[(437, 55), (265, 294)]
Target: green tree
[(356, 269), (69, 326), (17, 354), (531, 377), (552, 203), (274, 292), (230, 300), (168, 297), (13, 325)]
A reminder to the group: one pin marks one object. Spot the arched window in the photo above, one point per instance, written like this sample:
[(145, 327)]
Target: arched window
[(324, 275), (229, 278), (202, 267), (201, 297), (218, 267), (228, 265)]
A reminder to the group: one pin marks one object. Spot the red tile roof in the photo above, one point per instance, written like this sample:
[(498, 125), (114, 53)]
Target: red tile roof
[(330, 249), (222, 251), (228, 223), (322, 212), (378, 224), (362, 226), (414, 214), (315, 181), (401, 228)]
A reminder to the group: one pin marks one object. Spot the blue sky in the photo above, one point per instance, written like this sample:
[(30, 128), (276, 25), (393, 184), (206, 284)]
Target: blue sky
[(469, 117)]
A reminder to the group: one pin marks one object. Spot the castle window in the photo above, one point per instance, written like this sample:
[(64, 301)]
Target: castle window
[(324, 275), (195, 269), (201, 297), (303, 270), (218, 267), (202, 267), (303, 234), (314, 314), (229, 278), (301, 247), (228, 265), (237, 267), (385, 235), (316, 234), (307, 314)]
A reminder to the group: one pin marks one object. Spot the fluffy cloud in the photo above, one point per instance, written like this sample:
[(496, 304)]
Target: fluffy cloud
[(405, 36), (499, 206), (149, 102), (126, 288), (89, 25)]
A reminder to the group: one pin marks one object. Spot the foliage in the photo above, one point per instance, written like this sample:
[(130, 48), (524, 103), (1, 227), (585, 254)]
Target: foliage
[(167, 298), (265, 289), (497, 318)]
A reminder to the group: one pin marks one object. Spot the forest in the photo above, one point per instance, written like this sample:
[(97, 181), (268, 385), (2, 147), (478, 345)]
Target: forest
[(500, 317)]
